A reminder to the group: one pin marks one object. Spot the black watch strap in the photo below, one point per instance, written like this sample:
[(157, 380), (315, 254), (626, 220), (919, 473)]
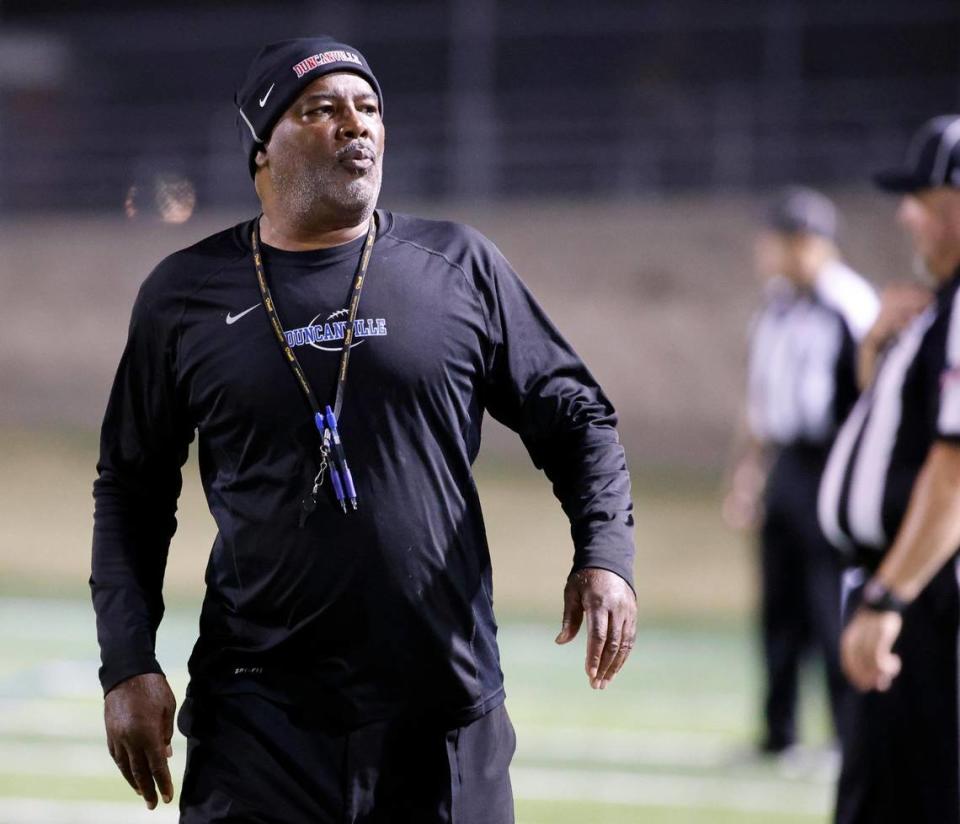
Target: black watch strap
[(878, 597)]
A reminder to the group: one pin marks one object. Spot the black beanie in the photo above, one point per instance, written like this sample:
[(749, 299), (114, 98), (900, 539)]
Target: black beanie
[(278, 74)]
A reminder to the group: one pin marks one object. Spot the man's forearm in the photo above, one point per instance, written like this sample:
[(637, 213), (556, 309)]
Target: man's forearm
[(867, 355), (127, 638), (930, 533), (131, 537), (592, 483)]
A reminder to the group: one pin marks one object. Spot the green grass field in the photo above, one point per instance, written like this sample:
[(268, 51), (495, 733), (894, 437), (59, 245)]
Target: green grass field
[(665, 743), (660, 745)]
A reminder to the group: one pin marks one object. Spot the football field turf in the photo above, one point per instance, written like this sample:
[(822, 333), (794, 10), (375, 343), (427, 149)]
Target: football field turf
[(663, 744)]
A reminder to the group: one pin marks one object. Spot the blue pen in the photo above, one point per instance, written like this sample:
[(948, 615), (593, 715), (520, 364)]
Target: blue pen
[(341, 458), (337, 486)]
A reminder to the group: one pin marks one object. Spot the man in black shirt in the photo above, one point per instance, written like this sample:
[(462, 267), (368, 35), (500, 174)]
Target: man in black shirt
[(890, 501), (347, 667)]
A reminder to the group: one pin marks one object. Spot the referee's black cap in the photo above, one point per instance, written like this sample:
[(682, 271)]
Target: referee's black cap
[(278, 74), (933, 159), (801, 210)]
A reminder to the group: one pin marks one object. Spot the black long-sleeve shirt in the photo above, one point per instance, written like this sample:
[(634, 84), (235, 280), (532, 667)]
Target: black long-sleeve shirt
[(389, 607)]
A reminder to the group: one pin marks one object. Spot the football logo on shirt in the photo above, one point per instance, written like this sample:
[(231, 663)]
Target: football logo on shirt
[(325, 334)]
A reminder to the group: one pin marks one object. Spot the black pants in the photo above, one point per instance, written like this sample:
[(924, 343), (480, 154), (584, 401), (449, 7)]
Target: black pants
[(800, 595), (253, 761), (900, 760)]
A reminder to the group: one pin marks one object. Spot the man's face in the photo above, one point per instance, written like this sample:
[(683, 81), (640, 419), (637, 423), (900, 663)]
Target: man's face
[(794, 256), (326, 153), (768, 255), (932, 218)]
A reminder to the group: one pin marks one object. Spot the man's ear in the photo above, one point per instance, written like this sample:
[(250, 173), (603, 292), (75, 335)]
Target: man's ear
[(260, 158)]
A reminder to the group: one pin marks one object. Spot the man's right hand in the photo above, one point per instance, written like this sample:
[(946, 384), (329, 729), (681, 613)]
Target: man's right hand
[(742, 504), (900, 303), (139, 714), (866, 649)]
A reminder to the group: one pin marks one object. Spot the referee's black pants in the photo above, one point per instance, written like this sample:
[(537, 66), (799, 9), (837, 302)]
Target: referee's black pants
[(800, 593), (901, 763), (253, 761)]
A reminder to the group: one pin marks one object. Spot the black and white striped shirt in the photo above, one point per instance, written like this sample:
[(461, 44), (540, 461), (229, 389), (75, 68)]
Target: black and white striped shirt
[(913, 401), (802, 369)]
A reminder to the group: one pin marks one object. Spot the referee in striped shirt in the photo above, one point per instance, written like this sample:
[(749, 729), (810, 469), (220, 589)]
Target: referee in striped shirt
[(890, 500), (802, 383)]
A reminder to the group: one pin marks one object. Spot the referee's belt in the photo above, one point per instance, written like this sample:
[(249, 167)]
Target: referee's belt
[(867, 558)]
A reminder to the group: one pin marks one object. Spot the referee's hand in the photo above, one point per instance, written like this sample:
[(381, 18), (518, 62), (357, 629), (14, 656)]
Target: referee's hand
[(138, 714), (866, 649), (611, 611)]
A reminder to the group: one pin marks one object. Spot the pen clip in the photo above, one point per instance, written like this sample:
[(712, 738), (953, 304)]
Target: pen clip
[(331, 423)]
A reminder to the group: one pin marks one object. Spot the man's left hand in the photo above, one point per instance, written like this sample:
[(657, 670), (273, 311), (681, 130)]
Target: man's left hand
[(611, 611), (866, 649)]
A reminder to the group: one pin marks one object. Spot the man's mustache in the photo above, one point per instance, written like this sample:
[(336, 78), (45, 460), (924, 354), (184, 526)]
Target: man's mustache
[(357, 149)]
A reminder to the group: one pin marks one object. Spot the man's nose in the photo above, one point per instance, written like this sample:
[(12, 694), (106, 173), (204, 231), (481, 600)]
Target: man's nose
[(352, 126), (907, 211)]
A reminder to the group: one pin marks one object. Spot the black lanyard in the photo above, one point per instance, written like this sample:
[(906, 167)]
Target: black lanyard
[(325, 420)]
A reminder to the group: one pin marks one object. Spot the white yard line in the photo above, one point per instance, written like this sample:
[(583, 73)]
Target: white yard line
[(55, 760), (667, 790), (667, 748), (37, 811), (60, 745), (639, 789), (59, 739), (533, 784), (677, 749), (45, 718)]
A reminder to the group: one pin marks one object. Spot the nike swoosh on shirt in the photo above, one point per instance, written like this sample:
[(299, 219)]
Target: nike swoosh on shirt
[(263, 100), (231, 319)]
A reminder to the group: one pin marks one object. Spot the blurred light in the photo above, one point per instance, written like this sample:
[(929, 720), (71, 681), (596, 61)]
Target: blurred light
[(168, 195), (175, 198), (130, 202)]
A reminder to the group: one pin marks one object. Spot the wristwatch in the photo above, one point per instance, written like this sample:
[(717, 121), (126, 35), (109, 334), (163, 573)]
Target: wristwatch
[(878, 598)]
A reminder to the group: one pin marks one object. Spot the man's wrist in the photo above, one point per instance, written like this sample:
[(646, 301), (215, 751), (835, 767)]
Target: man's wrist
[(600, 566), (118, 672), (878, 597)]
